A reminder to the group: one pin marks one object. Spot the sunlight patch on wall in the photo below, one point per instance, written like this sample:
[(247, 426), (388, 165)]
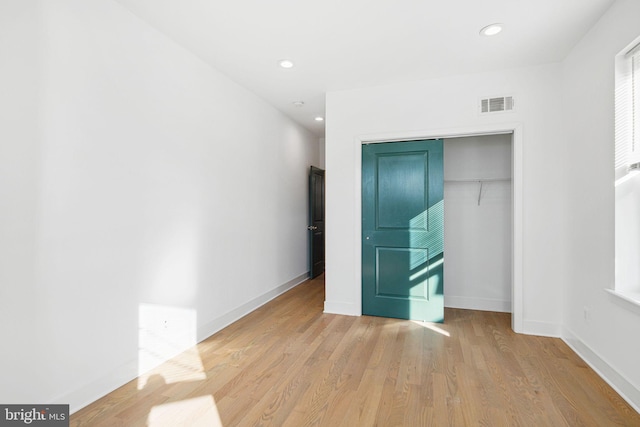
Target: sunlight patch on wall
[(199, 411), (165, 332)]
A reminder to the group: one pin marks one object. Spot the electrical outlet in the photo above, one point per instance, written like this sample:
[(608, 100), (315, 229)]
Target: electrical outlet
[(587, 314)]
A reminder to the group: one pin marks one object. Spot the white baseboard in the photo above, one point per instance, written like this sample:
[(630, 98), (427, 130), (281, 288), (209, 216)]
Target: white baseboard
[(483, 304), (210, 328), (350, 309), (344, 308), (89, 393), (617, 381), (542, 329)]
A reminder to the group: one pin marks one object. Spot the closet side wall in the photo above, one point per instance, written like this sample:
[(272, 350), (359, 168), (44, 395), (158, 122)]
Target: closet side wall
[(477, 229)]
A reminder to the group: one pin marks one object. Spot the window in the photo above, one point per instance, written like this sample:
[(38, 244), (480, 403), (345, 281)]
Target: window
[(634, 59), (627, 174), (627, 110)]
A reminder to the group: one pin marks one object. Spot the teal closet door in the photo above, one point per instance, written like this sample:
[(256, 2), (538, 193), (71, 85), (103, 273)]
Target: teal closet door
[(403, 230)]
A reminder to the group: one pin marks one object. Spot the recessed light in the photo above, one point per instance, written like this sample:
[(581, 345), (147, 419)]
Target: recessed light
[(285, 63), (491, 30), (319, 119), (298, 103)]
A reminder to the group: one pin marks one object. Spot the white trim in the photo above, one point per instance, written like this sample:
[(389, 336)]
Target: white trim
[(89, 393), (210, 328), (344, 308), (517, 195), (633, 50), (105, 384), (629, 300), (515, 129), (628, 391), (357, 219), (541, 329), (483, 304)]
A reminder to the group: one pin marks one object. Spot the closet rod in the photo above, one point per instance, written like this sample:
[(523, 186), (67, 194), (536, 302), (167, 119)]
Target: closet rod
[(479, 181)]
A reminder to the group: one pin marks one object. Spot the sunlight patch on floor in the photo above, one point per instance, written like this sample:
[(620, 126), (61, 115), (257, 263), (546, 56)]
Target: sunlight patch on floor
[(432, 326), (196, 412)]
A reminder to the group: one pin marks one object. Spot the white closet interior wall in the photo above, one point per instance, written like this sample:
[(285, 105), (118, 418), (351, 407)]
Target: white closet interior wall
[(477, 229)]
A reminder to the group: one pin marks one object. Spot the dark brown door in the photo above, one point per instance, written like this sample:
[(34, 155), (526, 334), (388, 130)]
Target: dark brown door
[(316, 221)]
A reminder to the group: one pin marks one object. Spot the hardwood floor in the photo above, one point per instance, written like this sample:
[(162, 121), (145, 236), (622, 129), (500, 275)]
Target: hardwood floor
[(288, 364)]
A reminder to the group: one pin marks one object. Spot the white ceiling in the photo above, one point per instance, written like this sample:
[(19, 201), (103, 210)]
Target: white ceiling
[(344, 44)]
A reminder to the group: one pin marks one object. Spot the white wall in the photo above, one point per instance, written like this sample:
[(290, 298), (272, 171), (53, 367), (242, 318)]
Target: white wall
[(443, 107), (627, 230), (147, 185), (321, 153), (607, 335), (20, 68), (478, 235)]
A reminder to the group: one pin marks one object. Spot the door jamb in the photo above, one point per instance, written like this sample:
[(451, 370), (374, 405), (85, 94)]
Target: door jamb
[(517, 210)]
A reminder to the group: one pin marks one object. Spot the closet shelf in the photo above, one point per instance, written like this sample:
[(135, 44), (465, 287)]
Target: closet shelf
[(480, 181)]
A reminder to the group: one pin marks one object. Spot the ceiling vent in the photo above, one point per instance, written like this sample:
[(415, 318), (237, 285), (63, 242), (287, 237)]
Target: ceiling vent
[(495, 105)]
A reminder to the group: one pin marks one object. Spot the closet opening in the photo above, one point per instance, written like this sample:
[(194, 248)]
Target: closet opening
[(478, 225), (467, 297)]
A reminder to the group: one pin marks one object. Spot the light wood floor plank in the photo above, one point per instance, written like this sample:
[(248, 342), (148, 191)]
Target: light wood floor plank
[(289, 364)]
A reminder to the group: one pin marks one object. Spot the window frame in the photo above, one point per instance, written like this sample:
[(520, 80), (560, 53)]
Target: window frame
[(627, 173)]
